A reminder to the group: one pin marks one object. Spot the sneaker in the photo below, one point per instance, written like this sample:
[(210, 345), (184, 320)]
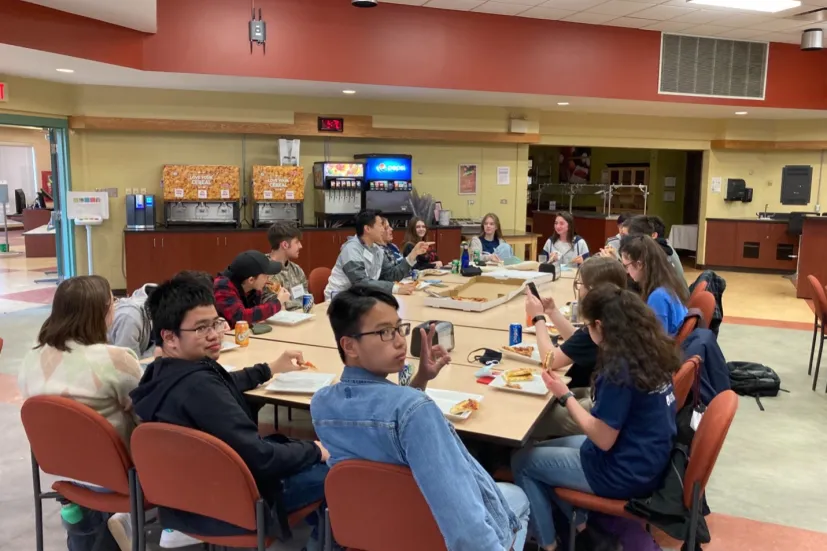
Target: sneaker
[(120, 526), (172, 539)]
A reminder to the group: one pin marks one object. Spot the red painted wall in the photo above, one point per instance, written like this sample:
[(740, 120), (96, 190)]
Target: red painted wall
[(328, 40)]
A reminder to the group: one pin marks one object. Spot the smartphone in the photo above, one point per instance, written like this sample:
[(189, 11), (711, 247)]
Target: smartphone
[(533, 289)]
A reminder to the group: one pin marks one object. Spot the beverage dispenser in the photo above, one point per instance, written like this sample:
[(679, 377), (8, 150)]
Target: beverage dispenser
[(338, 190), (201, 195), (388, 184), (278, 194)]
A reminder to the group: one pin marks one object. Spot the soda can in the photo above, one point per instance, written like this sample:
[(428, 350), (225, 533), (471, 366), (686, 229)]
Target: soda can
[(242, 333), (307, 303), (477, 257), (574, 315), (455, 266), (404, 377), (515, 334), (415, 275)]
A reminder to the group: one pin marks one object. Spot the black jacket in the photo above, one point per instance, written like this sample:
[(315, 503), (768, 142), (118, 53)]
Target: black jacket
[(204, 396)]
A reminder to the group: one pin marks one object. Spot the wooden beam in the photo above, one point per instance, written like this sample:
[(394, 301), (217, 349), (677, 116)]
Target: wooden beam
[(747, 145), (304, 124)]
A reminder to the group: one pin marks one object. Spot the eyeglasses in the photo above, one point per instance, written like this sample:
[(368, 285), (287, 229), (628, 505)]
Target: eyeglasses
[(203, 330), (626, 265), (388, 333)]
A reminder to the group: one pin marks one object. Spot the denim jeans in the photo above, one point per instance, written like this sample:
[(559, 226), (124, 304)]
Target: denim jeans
[(304, 488), (518, 503), (540, 469)]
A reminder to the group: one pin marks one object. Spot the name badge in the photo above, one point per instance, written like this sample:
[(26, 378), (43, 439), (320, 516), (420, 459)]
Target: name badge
[(297, 292)]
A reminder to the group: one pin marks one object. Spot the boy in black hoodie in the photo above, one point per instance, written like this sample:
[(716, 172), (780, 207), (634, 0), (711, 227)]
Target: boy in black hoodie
[(189, 388)]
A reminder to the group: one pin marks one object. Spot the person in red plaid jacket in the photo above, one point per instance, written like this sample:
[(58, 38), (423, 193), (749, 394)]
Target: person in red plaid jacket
[(238, 289)]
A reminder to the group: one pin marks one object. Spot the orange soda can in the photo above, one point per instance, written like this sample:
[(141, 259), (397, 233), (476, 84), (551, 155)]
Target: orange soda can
[(242, 333)]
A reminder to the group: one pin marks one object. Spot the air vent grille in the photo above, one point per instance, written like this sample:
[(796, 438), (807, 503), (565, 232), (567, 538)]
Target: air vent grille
[(698, 66)]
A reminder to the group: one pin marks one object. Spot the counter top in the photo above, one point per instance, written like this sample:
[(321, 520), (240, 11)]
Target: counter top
[(768, 220), (206, 229), (583, 214)]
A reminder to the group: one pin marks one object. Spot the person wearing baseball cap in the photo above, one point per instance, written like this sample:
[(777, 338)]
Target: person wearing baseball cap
[(238, 289)]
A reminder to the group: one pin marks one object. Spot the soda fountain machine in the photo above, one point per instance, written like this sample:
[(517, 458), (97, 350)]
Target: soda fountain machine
[(338, 191), (201, 195), (278, 194), (388, 185)]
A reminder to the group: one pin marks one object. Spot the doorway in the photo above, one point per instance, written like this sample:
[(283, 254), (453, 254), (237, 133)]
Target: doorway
[(692, 196)]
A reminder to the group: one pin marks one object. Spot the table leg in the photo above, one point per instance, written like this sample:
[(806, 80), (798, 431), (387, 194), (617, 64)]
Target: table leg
[(532, 247)]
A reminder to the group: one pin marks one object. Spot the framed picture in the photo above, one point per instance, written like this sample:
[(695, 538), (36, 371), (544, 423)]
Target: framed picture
[(575, 165), (467, 179)]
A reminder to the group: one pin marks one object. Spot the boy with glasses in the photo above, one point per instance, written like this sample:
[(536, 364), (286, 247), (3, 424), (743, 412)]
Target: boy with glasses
[(188, 387), (365, 416)]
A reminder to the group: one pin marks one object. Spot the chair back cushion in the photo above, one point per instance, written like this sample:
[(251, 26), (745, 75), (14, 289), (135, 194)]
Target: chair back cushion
[(185, 469), (700, 287), (708, 441), (375, 507), (682, 380), (819, 297), (688, 325), (71, 440), (317, 282), (705, 302)]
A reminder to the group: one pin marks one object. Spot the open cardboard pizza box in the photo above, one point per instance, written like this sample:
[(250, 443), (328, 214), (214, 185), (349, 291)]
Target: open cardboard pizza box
[(494, 290)]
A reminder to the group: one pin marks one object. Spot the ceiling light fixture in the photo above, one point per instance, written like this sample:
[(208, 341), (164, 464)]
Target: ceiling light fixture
[(769, 6), (349, 92), (65, 70), (741, 113), (562, 103)]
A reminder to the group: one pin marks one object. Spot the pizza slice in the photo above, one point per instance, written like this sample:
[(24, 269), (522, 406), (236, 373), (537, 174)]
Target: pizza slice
[(466, 405)]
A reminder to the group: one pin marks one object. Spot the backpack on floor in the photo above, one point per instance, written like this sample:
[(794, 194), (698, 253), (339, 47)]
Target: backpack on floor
[(753, 379)]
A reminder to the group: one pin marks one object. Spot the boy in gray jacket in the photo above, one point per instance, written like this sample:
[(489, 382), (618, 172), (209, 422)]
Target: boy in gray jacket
[(131, 327)]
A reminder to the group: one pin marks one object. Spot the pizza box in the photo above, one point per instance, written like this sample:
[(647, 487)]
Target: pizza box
[(496, 290)]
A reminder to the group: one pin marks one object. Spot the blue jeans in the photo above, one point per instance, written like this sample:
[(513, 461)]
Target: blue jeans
[(518, 503), (540, 469), (304, 488)]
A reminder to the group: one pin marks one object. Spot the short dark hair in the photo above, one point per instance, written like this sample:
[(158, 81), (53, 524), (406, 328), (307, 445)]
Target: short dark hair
[(169, 304), (366, 218), (79, 311), (197, 276), (658, 226), (640, 224), (348, 307), (280, 232), (623, 217)]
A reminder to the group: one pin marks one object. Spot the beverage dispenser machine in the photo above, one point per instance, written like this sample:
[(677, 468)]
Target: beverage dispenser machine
[(201, 195), (388, 184), (278, 194), (338, 190)]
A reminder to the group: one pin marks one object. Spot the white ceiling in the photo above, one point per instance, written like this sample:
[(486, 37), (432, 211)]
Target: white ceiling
[(133, 14), (37, 64), (674, 16)]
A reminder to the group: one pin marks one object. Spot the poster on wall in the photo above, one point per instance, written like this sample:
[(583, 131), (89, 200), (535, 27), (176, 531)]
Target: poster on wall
[(46, 181), (467, 179), (575, 165)]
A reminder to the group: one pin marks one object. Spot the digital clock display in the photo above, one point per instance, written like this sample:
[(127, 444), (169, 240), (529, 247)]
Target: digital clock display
[(331, 124)]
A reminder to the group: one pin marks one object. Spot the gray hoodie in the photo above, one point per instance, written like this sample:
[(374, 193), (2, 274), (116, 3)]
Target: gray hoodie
[(131, 327), (358, 263)]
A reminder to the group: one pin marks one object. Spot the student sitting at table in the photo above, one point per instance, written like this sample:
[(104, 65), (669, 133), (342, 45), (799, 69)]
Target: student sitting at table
[(654, 227), (392, 252), (565, 246), (417, 231), (189, 388), (362, 260), (238, 289), (629, 432), (578, 350), (285, 244), (130, 326), (490, 237), (612, 246), (660, 287), (365, 416)]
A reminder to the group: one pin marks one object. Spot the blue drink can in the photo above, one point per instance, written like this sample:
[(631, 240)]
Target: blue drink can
[(307, 303), (415, 274), (515, 334), (405, 376)]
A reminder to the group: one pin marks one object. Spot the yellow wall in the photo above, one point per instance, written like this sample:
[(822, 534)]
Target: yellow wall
[(37, 97)]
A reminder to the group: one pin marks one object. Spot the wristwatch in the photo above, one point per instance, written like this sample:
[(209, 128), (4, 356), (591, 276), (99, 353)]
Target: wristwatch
[(539, 317), (565, 398)]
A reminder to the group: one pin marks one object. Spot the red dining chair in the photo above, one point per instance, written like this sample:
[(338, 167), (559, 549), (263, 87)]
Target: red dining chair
[(820, 307), (316, 283), (683, 380)]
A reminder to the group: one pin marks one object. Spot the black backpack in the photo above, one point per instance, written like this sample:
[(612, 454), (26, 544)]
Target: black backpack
[(753, 379)]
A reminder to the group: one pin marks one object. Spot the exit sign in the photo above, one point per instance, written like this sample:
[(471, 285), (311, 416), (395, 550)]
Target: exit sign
[(4, 91)]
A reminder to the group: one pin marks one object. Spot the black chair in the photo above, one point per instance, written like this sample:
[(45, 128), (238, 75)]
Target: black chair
[(795, 224)]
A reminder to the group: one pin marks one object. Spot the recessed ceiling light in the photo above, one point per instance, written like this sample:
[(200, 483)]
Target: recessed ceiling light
[(770, 6), (741, 113), (349, 92), (65, 70), (562, 103)]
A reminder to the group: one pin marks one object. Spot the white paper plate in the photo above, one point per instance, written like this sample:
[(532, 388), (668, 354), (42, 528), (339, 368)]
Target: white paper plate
[(286, 317), (446, 399), (533, 330), (535, 356), (227, 345), (535, 386), (300, 382)]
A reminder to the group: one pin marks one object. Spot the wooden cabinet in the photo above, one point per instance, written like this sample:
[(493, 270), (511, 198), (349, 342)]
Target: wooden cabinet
[(447, 245), (750, 244), (321, 248)]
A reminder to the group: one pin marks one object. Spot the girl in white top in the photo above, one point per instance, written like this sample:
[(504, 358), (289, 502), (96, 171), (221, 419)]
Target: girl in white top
[(489, 239), (565, 246)]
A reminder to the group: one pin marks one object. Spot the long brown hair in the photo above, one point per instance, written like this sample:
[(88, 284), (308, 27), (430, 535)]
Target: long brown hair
[(410, 232), (569, 234), (634, 345), (657, 270), (78, 313), (498, 233), (600, 269)]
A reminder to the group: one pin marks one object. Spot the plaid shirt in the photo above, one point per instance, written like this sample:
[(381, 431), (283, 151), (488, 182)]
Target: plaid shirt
[(392, 254), (234, 308), (291, 275)]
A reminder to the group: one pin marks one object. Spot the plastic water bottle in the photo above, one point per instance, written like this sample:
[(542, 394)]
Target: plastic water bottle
[(464, 259)]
